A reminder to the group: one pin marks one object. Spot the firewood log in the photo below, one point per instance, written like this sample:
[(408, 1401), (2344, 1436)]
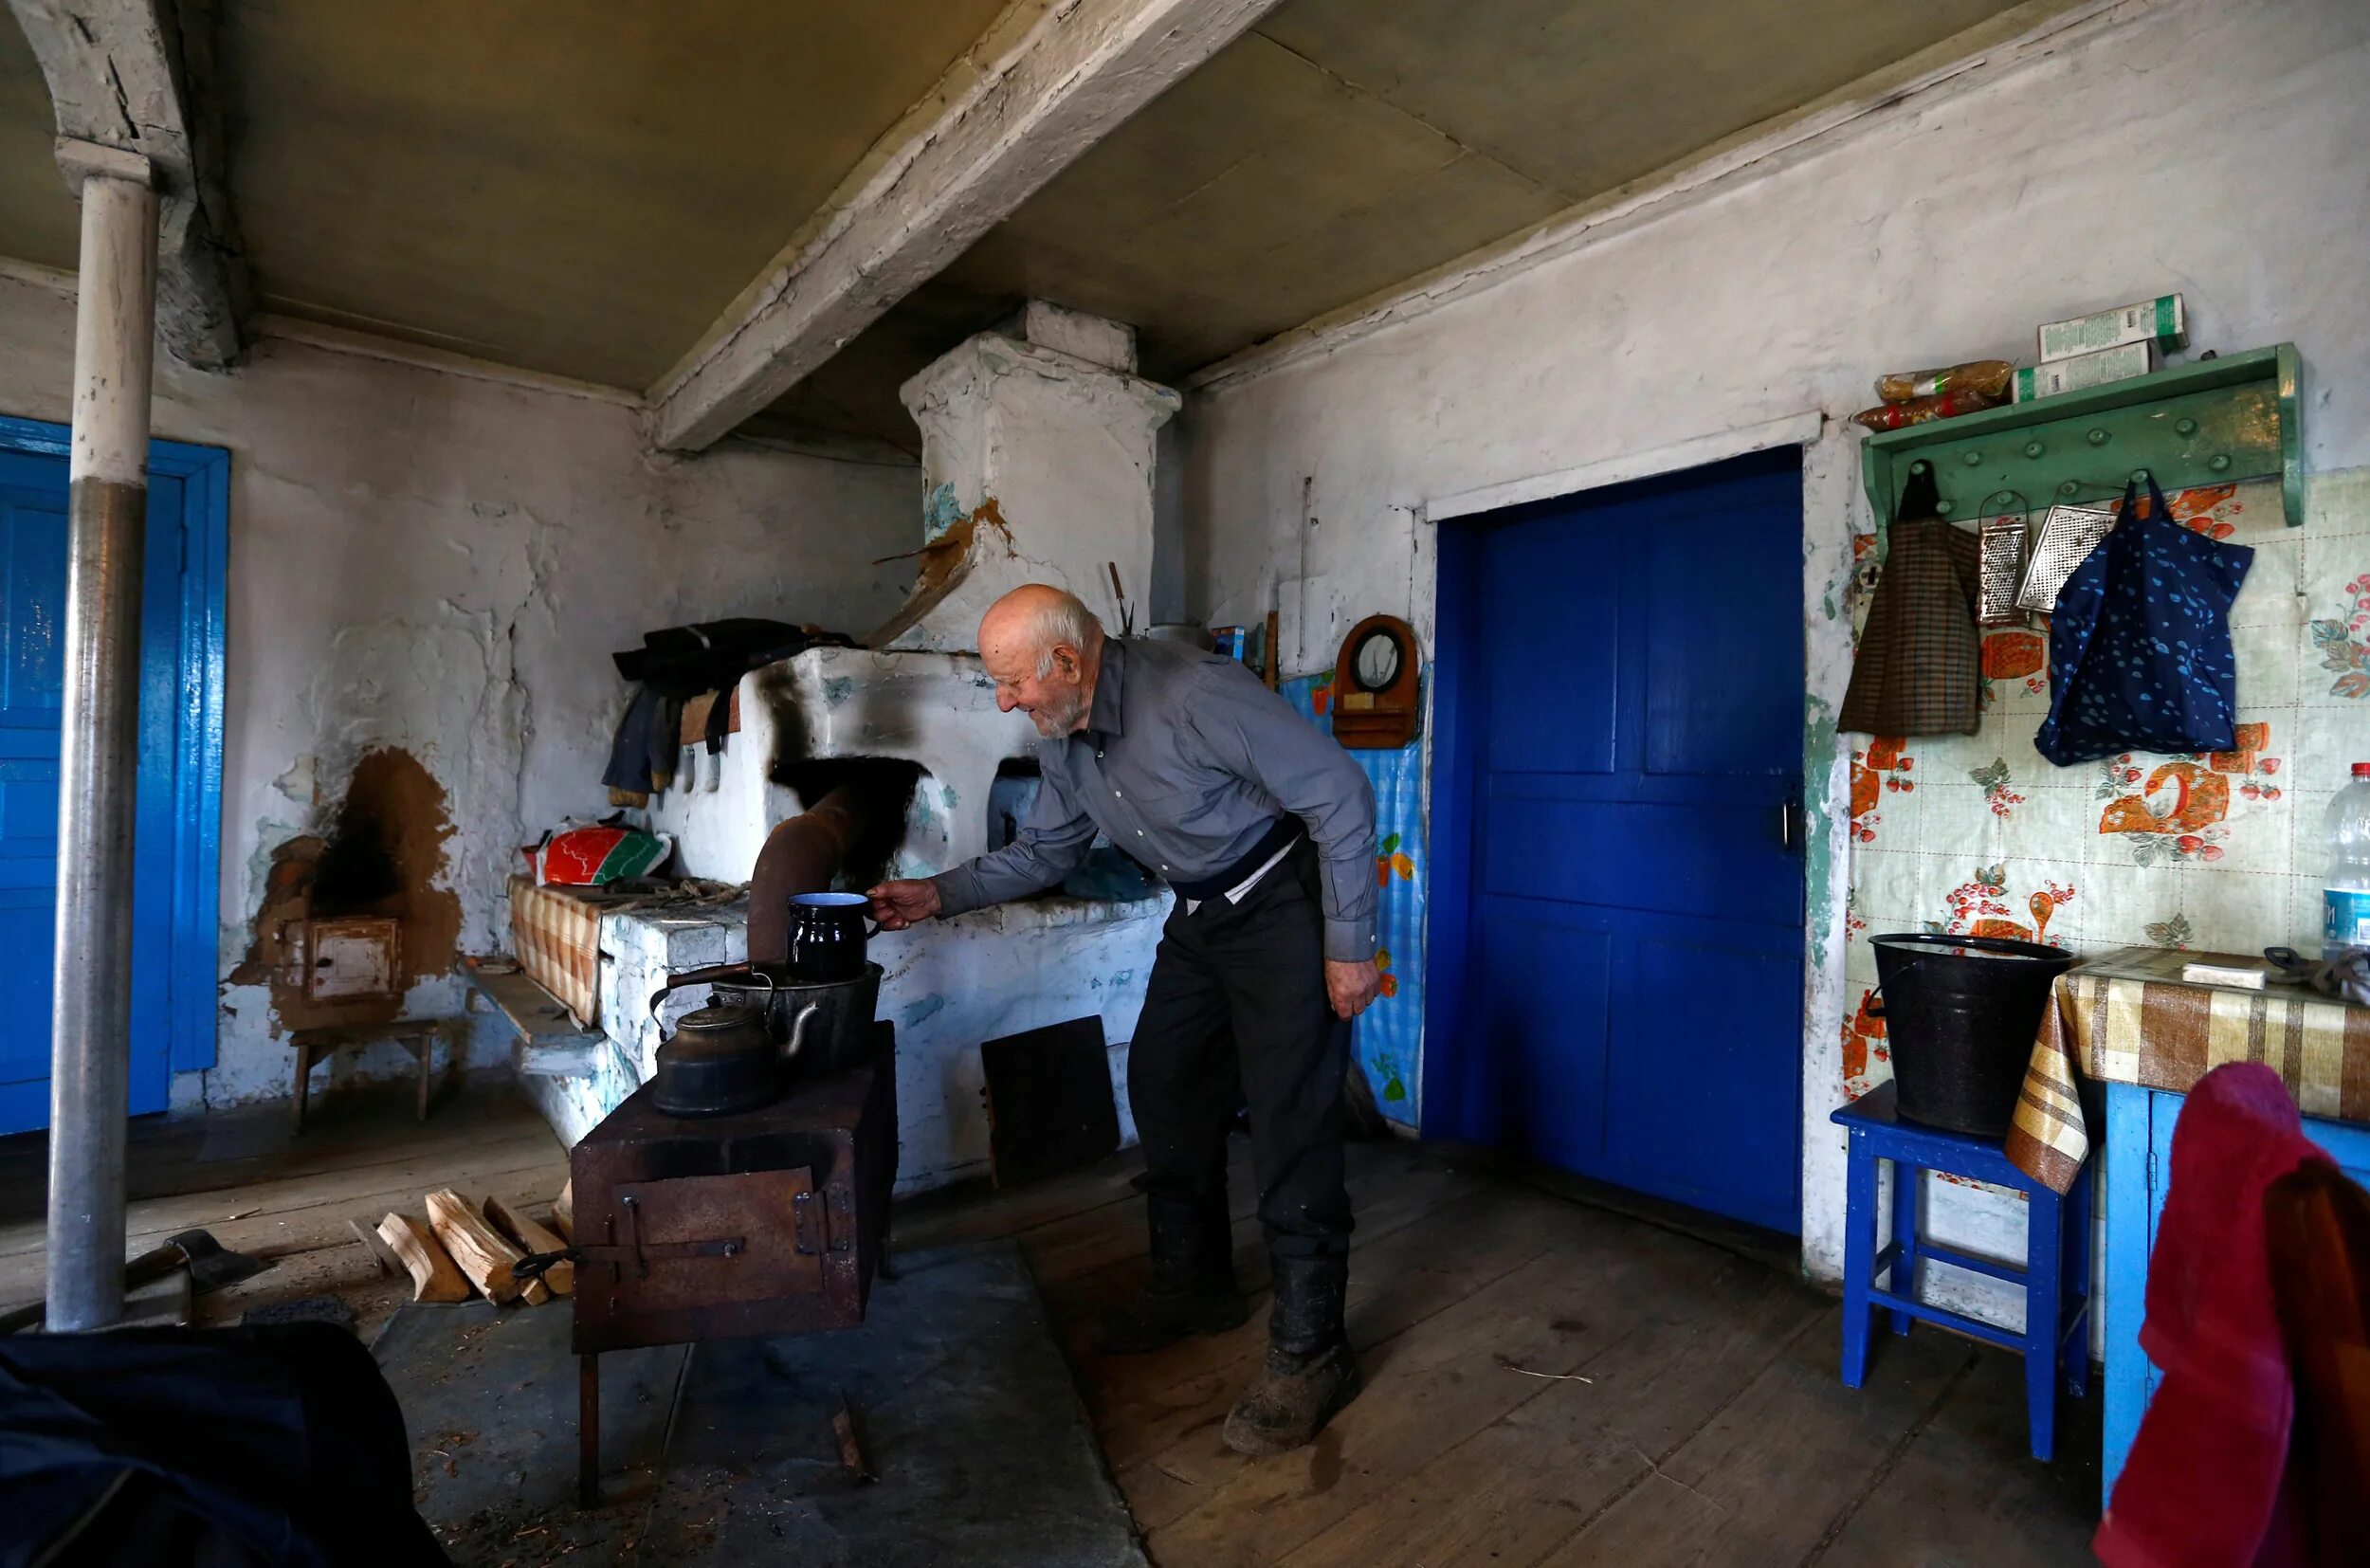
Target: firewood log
[(366, 1231), (433, 1276), (531, 1237), (564, 1209), (479, 1251)]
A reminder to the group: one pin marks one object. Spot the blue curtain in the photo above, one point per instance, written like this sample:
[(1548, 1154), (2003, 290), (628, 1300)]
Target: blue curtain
[(1390, 1037)]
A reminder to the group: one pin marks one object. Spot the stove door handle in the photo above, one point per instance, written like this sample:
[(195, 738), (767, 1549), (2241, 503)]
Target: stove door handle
[(657, 1251)]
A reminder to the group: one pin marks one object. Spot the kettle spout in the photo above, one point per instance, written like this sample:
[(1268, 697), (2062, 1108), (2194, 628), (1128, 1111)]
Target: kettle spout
[(798, 1031)]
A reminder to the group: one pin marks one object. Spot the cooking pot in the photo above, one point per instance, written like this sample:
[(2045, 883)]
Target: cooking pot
[(839, 1034), (721, 1060), (826, 937)]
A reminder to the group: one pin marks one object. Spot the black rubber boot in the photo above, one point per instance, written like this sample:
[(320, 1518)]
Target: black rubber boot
[(1311, 1371), (1192, 1289)]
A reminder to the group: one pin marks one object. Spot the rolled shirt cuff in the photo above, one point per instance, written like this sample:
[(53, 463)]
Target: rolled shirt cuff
[(959, 892), (1351, 941)]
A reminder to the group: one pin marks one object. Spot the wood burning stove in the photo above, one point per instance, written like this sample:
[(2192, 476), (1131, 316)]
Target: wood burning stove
[(769, 1221)]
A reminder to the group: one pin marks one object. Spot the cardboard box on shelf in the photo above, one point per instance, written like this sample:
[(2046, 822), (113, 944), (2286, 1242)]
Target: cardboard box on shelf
[(2084, 369), (2164, 321)]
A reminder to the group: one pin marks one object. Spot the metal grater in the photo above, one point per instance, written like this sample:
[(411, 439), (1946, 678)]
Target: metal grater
[(2067, 535), (2000, 569)]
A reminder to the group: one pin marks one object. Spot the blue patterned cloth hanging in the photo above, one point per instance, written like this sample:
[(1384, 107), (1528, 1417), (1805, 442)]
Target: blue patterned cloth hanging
[(2140, 649)]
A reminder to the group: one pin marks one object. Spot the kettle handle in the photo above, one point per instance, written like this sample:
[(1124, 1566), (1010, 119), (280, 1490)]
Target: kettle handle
[(737, 973), (798, 1031)]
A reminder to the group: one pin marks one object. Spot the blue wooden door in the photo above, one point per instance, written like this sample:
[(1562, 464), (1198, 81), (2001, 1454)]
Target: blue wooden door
[(1628, 692), (33, 678)]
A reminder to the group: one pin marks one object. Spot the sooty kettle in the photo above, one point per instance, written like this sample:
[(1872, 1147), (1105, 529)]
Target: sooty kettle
[(721, 1061)]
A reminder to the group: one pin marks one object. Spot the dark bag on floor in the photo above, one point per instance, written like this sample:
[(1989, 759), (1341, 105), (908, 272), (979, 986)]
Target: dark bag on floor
[(2140, 655), (206, 1448)]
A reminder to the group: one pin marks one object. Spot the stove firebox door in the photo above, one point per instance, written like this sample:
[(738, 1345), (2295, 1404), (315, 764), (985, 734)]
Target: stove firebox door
[(712, 1241)]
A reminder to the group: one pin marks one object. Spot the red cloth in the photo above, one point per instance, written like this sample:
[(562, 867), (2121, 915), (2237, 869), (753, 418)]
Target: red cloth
[(2203, 1485)]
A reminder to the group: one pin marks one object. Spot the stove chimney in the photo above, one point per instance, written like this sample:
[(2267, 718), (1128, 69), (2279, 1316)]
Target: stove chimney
[(1036, 460)]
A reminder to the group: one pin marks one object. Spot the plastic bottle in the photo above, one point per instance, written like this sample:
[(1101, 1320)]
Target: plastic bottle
[(2345, 899)]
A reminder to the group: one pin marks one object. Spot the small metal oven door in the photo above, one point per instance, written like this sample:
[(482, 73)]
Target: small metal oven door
[(702, 1257)]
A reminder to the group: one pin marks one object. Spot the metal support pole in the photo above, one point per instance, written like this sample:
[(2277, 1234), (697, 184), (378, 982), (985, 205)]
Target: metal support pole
[(98, 742)]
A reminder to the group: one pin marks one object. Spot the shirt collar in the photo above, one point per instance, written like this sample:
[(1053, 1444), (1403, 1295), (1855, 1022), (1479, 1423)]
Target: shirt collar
[(1103, 716)]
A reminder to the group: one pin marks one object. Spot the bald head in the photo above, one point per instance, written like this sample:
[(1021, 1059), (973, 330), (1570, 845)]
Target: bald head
[(1035, 619), (1043, 648)]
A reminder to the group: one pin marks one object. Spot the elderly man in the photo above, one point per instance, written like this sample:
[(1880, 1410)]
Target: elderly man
[(1266, 830)]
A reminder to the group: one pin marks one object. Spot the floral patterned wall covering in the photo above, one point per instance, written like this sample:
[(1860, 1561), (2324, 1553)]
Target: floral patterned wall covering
[(2218, 851), (1389, 1035)]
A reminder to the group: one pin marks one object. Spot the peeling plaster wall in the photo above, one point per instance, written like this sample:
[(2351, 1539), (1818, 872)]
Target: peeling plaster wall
[(2203, 145), (443, 563)]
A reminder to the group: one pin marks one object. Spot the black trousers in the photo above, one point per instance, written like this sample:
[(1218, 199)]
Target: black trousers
[(1237, 1013)]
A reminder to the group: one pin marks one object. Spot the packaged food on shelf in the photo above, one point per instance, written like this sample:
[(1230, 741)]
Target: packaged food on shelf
[(1918, 410), (2164, 321), (2085, 370), (1989, 376)]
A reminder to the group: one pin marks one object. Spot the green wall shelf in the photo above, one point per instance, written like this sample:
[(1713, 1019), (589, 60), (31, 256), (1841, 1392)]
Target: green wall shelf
[(2215, 422)]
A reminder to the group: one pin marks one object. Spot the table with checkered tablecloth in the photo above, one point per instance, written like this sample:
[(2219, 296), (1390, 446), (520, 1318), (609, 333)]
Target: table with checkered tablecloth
[(2128, 1018)]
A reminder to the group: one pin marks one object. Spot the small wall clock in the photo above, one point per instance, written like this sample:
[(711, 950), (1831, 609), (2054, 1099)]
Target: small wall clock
[(1376, 692)]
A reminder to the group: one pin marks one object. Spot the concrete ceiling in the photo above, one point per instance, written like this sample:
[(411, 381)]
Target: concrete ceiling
[(1343, 146), (580, 187), (577, 187)]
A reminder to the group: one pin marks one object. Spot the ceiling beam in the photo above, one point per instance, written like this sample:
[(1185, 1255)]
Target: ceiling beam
[(138, 74), (1043, 85)]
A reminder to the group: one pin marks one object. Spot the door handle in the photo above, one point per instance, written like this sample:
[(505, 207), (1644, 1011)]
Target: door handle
[(1792, 826)]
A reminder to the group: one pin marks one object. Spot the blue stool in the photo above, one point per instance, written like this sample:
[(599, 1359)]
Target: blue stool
[(2055, 1343)]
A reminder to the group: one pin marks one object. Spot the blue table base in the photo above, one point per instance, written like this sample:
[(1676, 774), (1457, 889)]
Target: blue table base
[(2139, 1124)]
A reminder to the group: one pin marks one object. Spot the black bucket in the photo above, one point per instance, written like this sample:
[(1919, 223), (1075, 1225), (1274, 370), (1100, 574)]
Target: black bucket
[(1959, 1017)]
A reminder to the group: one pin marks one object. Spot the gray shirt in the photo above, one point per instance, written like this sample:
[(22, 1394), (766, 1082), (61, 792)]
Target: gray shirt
[(1186, 761)]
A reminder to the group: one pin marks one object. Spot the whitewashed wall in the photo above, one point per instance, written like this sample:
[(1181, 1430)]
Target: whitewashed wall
[(2211, 146), (442, 562)]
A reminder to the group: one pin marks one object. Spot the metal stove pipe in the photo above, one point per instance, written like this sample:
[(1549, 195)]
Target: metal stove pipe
[(802, 855), (90, 1029)]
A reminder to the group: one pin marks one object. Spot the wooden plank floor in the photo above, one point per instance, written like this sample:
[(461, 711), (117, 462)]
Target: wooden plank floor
[(1550, 1380), (261, 1188)]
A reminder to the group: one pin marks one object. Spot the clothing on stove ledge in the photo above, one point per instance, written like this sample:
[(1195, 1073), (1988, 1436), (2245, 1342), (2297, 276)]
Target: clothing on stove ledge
[(642, 755)]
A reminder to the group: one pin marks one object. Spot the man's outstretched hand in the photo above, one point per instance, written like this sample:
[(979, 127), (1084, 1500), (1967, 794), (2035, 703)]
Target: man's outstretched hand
[(899, 904), (1352, 986)]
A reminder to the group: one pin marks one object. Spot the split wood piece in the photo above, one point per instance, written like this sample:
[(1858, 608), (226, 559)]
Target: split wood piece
[(851, 1456), (434, 1277), (480, 1249), (389, 1262), (531, 1237), (564, 1210)]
